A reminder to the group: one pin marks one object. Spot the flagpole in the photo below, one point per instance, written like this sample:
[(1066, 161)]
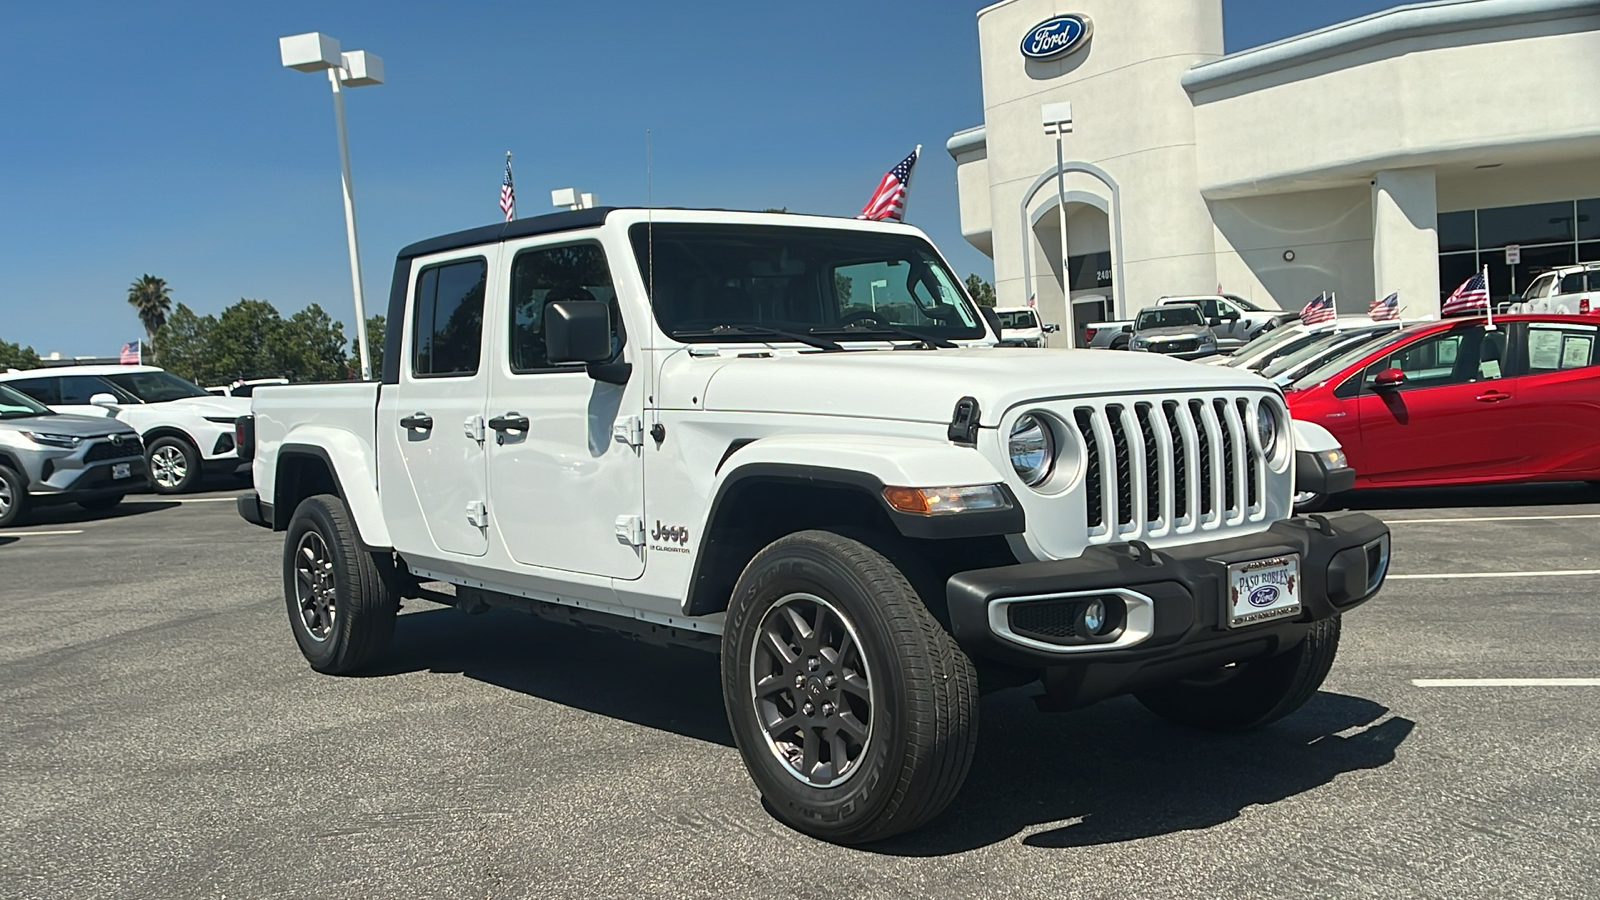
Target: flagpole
[(513, 187), (916, 156), (1488, 301)]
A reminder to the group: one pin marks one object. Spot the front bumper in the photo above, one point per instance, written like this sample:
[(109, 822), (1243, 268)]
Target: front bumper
[(67, 480), (1174, 600), (1312, 474), (1197, 353)]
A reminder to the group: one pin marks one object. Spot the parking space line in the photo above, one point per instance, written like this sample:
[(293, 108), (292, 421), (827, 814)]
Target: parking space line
[(1562, 573), (201, 500), (1491, 519), (1506, 682), (36, 533)]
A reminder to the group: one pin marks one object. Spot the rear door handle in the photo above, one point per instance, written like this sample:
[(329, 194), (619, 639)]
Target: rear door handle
[(1493, 397), (509, 422), (419, 421)]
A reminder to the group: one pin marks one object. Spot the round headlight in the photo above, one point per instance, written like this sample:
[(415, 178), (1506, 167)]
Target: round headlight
[(1032, 450), (1267, 428)]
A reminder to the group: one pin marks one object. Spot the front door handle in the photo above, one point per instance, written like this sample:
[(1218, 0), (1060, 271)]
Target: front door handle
[(509, 422), (419, 421), (1493, 396)]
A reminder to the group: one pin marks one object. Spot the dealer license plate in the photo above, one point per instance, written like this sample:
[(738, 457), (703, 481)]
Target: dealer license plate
[(1263, 590), (121, 470)]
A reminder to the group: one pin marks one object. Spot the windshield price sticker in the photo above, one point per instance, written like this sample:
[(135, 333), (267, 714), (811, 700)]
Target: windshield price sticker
[(1263, 590)]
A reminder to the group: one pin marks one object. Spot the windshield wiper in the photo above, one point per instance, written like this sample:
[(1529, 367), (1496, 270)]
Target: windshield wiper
[(762, 331), (928, 339)]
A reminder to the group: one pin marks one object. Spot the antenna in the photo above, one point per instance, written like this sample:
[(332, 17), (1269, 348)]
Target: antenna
[(649, 218)]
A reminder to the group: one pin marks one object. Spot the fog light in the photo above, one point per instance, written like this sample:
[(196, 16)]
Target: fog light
[(1094, 617)]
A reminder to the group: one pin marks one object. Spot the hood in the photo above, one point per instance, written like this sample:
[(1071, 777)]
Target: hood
[(211, 406), (924, 385), (80, 426)]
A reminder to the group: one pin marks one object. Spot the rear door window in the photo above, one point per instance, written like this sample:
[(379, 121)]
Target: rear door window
[(77, 389), (44, 390), (447, 319), (1555, 348)]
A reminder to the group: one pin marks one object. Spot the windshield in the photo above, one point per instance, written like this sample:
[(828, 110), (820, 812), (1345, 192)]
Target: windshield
[(1018, 318), (156, 387), (1244, 304), (1331, 343), (1348, 358), (1180, 316), (14, 404), (727, 283)]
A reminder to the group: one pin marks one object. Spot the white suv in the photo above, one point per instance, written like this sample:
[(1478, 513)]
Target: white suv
[(1569, 290), (186, 431)]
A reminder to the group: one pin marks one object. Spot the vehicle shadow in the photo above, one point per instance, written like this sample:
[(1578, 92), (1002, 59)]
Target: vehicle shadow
[(69, 513), (1102, 775), (8, 540), (668, 688), (1565, 493), (1114, 772)]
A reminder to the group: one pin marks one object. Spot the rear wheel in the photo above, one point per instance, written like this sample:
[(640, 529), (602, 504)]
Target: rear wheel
[(174, 465), (101, 504), (13, 498), (854, 710), (1250, 694), (341, 608)]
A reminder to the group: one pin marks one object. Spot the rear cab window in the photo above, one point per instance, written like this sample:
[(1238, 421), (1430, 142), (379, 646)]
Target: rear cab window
[(447, 319)]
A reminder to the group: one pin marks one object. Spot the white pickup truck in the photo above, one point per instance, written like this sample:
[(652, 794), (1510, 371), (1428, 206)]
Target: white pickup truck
[(679, 425)]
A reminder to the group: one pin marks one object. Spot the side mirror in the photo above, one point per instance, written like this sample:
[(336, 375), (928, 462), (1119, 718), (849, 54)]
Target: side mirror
[(1388, 380), (1051, 328), (580, 331), (1214, 322), (1231, 316), (1514, 298), (103, 399)]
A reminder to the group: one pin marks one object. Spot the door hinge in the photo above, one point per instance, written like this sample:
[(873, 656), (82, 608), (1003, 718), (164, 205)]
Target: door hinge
[(474, 427), (478, 514), (630, 530), (629, 430)]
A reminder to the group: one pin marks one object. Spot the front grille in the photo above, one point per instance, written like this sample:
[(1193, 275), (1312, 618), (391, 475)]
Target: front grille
[(1157, 465), (130, 446), (1187, 345)]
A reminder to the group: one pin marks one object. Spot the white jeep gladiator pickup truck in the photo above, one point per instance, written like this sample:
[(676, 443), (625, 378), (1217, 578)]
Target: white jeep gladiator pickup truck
[(705, 428)]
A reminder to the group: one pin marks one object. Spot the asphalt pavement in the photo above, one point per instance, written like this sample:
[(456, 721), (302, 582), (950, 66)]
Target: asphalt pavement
[(161, 736)]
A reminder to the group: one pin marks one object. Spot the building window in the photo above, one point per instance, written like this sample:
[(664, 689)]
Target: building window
[(1549, 235)]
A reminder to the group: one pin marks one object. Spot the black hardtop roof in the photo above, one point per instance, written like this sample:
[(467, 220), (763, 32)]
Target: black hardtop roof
[(550, 223)]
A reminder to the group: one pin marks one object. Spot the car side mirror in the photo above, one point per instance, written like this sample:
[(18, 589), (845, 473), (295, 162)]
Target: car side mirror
[(103, 399), (1231, 316), (1051, 328), (1514, 298), (1214, 322), (1388, 380), (579, 331)]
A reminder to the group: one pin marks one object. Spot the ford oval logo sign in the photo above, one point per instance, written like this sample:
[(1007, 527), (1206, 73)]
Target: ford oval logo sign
[(1056, 37), (1266, 595)]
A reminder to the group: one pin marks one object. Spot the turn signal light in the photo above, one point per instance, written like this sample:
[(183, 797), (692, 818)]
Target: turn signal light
[(942, 501)]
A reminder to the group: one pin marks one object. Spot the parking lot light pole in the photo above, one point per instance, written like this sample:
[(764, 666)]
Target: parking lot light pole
[(310, 52), (1057, 119)]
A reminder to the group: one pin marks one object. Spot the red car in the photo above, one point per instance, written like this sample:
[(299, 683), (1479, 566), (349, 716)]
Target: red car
[(1453, 402)]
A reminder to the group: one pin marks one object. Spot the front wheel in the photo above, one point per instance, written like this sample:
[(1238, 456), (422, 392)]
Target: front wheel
[(13, 498), (174, 465), (341, 608), (854, 710), (1310, 501), (1250, 694)]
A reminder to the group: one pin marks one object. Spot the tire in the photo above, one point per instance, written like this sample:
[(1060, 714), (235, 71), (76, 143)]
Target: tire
[(341, 607), (1310, 501), (1251, 694), (174, 465), (13, 498), (1121, 343), (875, 652), (101, 504)]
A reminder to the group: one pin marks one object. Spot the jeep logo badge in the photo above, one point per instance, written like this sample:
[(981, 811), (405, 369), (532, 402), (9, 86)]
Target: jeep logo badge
[(1056, 37)]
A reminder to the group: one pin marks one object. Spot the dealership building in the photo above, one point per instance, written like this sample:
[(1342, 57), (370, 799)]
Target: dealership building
[(1398, 152)]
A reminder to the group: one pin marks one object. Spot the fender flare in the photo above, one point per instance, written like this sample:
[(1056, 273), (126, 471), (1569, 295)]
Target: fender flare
[(353, 465)]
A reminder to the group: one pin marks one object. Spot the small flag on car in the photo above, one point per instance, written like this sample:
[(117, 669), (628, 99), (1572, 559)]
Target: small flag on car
[(130, 353), (888, 202), (508, 194), (1471, 295), (1385, 309), (1319, 310)]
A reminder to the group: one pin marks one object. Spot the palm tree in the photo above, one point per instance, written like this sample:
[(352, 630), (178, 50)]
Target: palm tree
[(153, 300)]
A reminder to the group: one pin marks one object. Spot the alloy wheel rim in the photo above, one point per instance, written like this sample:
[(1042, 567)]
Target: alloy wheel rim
[(314, 588), (5, 496), (812, 690), (169, 465)]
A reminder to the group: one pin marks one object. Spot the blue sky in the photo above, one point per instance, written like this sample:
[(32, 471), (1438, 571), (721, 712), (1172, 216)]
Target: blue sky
[(166, 138)]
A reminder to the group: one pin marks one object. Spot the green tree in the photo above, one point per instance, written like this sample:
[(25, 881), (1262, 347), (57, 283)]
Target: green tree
[(16, 356), (982, 291), (241, 344), (843, 286), (375, 336), (152, 300), (184, 343), (309, 346)]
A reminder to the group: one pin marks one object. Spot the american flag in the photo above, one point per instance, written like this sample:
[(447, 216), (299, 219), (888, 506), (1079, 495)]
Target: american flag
[(1387, 308), (508, 194), (1319, 310), (130, 354), (889, 200), (1472, 294)]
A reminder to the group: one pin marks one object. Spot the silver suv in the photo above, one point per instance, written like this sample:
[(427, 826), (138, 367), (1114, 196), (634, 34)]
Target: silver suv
[(47, 457)]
